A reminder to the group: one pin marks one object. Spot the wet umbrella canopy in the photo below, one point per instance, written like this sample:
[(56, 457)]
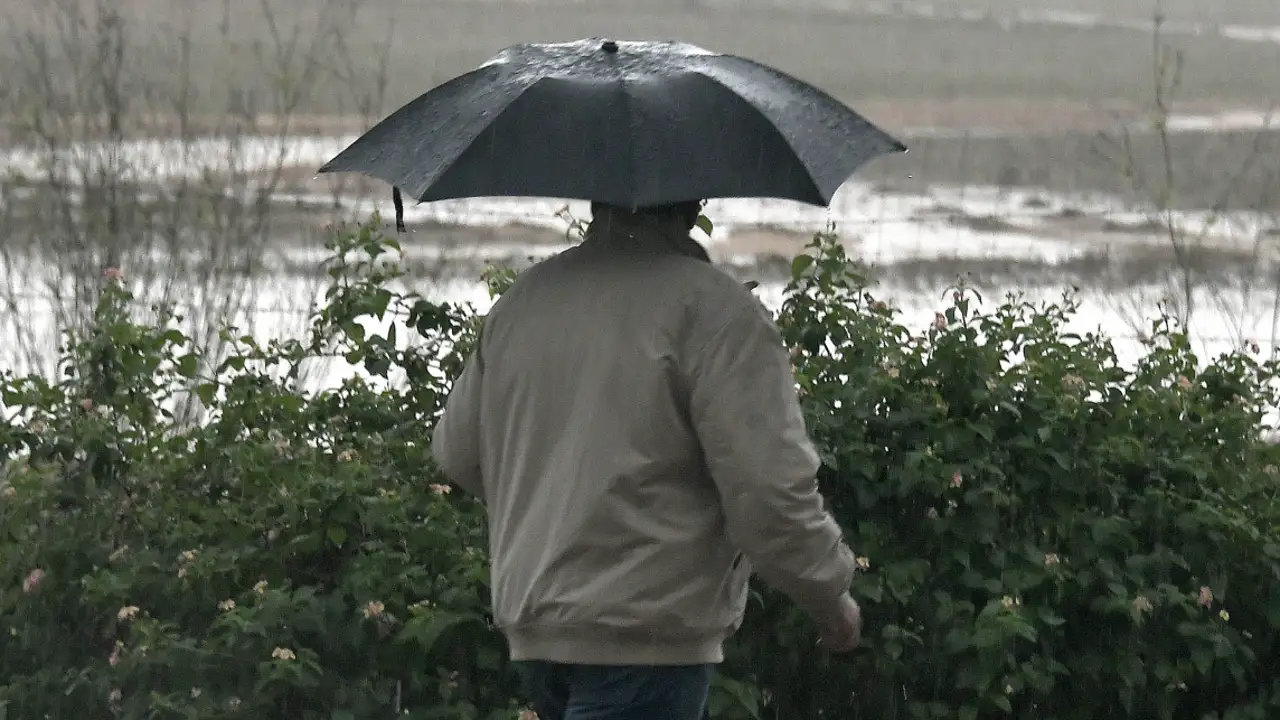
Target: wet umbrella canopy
[(628, 123)]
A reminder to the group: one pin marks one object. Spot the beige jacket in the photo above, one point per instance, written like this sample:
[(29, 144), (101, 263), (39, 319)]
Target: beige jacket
[(631, 423)]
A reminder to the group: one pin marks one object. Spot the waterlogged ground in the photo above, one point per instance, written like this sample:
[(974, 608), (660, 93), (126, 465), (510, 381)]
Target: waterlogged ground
[(160, 159), (918, 241), (1015, 15), (280, 308)]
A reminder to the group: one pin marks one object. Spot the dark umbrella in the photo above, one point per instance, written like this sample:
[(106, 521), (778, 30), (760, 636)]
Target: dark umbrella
[(627, 123)]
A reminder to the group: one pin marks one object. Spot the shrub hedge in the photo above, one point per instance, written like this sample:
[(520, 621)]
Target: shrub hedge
[(1045, 533)]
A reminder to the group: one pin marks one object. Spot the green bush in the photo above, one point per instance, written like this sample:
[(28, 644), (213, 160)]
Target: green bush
[(292, 557), (1059, 537)]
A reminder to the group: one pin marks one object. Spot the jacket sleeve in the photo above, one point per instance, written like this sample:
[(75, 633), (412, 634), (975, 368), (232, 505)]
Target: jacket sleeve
[(747, 416), (455, 442)]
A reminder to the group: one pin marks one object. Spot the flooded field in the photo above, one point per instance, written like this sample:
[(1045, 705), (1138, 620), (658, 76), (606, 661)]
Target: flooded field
[(1036, 164), (1002, 239)]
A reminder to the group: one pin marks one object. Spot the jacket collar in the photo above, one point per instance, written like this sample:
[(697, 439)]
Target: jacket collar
[(630, 231)]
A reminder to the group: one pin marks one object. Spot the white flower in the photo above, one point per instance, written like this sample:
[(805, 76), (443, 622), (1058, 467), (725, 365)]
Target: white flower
[(281, 653)]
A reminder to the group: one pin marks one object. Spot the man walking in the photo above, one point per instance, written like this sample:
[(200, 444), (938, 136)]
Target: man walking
[(631, 422)]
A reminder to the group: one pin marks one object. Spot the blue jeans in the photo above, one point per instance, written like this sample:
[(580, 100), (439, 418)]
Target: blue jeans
[(626, 692)]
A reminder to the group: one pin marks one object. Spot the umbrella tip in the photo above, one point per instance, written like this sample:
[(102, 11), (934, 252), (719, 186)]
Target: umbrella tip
[(609, 46)]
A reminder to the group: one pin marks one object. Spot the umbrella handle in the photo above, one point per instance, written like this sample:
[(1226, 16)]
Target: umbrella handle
[(398, 202)]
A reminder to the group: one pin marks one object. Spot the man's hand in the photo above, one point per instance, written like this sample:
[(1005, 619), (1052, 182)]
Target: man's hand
[(841, 631)]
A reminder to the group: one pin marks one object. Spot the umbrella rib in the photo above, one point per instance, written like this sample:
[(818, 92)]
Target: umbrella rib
[(403, 177), (773, 125), (463, 147)]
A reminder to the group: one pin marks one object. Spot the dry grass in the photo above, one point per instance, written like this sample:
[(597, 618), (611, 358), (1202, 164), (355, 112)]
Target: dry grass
[(858, 58), (1063, 87)]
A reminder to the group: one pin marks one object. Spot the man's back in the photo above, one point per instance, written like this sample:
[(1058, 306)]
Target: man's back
[(631, 424)]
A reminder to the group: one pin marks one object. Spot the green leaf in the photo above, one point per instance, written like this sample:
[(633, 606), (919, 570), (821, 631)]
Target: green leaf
[(206, 392), (378, 365), (800, 264), (488, 659), (188, 365), (1202, 658), (426, 630), (354, 330), (734, 694), (337, 535), (379, 302), (704, 224)]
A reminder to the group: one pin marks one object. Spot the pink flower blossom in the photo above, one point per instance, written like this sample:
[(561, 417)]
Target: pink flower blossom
[(957, 479), (112, 273), (1183, 382), (940, 321), (374, 609), (86, 404), (34, 578), (1205, 598)]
